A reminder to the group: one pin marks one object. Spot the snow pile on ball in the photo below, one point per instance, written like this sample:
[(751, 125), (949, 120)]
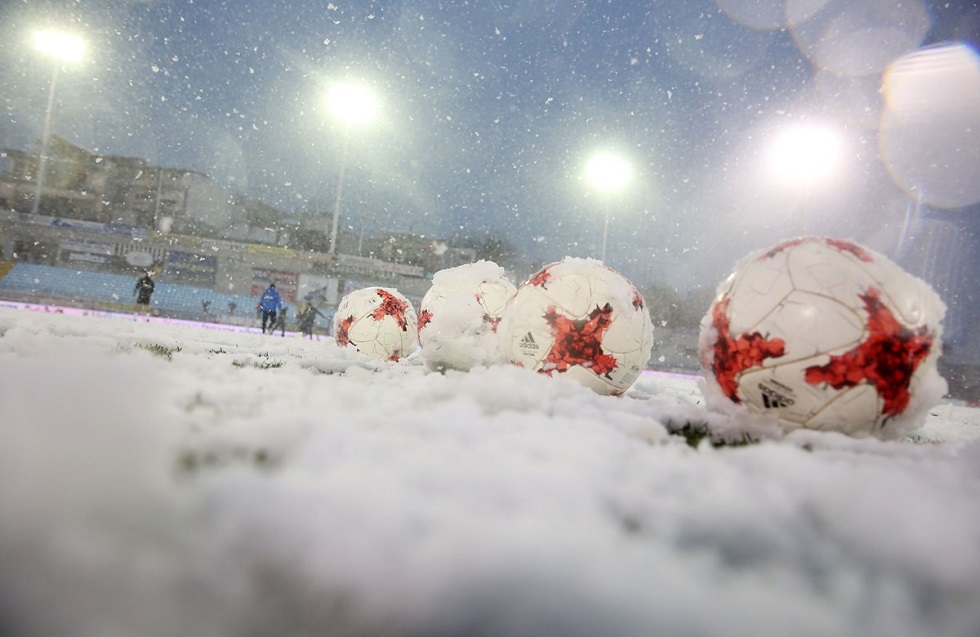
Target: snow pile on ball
[(459, 314), (579, 318), (824, 334), (378, 322)]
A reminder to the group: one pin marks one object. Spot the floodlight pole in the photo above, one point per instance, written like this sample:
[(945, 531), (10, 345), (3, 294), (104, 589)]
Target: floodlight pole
[(351, 105), (42, 154), (605, 233), (606, 173), (335, 225)]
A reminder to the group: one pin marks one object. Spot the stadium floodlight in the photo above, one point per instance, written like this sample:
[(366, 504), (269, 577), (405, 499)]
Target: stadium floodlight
[(801, 159), (803, 156), (608, 173), (352, 105), (62, 47)]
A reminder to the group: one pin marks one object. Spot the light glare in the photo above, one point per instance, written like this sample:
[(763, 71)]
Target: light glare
[(60, 44), (608, 172), (804, 155), (352, 103), (929, 135)]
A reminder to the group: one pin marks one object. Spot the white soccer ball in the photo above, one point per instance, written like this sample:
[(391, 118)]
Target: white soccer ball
[(459, 314), (378, 322), (578, 317), (824, 334)]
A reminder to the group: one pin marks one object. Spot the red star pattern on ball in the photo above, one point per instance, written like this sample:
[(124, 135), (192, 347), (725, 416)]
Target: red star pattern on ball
[(540, 279), (488, 319), (391, 306), (579, 341), (732, 356), (637, 300), (853, 248), (779, 247), (839, 244), (886, 359), (492, 321), (425, 317), (343, 331)]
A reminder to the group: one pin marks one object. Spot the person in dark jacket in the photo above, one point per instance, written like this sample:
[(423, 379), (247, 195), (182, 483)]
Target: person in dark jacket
[(270, 304), (143, 291), (281, 322), (307, 317)]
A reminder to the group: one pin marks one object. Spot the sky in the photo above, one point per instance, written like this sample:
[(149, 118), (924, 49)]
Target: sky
[(490, 110), (162, 479)]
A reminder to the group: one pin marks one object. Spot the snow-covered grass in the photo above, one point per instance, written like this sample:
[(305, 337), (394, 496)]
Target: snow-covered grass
[(165, 480)]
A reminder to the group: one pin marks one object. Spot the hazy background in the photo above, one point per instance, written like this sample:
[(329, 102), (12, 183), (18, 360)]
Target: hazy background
[(490, 110)]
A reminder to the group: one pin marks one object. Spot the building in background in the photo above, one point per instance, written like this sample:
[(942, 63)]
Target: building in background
[(118, 214), (114, 189)]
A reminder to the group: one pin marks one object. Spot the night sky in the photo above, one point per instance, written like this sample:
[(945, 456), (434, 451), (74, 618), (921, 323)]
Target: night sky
[(490, 109)]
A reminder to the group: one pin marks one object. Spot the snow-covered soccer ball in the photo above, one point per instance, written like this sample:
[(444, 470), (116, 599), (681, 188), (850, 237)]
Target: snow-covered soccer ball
[(378, 322), (578, 317), (458, 316), (824, 334)]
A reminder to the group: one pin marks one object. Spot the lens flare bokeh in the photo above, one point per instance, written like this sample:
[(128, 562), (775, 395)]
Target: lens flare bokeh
[(929, 135)]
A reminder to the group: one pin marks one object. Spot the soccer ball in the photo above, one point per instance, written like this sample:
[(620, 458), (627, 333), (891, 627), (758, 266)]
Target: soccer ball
[(378, 322), (824, 334), (458, 316), (579, 318)]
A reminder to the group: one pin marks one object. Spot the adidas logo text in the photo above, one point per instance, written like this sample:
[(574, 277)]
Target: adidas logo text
[(527, 342), (773, 399)]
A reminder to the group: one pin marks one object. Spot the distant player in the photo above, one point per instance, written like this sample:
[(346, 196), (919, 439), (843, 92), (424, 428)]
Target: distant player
[(270, 304), (307, 317), (281, 322), (143, 291)]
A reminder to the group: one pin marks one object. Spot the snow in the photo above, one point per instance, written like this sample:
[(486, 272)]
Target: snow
[(458, 316), (161, 479)]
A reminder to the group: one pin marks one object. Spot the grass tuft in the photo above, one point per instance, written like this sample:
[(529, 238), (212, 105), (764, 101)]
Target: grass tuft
[(694, 433), (270, 364), (160, 350)]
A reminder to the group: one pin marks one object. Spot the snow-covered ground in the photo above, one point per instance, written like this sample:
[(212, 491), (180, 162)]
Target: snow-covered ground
[(163, 480)]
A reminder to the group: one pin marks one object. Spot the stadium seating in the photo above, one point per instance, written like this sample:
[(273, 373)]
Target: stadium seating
[(115, 291)]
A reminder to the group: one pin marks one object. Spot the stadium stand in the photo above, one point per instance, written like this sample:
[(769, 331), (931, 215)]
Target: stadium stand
[(102, 290)]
